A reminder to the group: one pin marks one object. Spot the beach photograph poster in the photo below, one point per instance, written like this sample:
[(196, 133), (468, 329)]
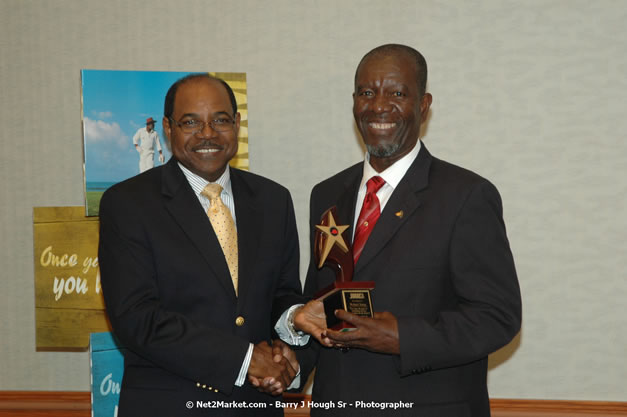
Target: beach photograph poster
[(121, 115)]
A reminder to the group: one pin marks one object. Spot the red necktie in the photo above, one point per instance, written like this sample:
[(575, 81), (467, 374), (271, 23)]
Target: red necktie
[(368, 216)]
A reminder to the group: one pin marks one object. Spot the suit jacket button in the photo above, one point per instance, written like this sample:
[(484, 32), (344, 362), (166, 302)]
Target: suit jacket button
[(239, 321)]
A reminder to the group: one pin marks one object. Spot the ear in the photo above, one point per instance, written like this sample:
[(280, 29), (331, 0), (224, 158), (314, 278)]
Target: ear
[(238, 118), (167, 128), (425, 104)]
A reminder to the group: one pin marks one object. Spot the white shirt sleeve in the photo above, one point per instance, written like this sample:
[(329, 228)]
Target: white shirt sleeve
[(157, 141), (296, 381), (136, 137), (241, 378), (286, 332)]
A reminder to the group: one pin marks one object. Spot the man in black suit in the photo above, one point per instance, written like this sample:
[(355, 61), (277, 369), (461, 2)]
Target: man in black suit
[(446, 291), (189, 295)]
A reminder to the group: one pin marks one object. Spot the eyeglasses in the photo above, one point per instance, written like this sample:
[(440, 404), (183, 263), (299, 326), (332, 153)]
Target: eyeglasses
[(220, 124)]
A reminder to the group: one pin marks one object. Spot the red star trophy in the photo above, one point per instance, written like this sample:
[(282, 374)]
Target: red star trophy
[(331, 250)]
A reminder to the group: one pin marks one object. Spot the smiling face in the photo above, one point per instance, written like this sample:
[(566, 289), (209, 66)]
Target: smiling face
[(205, 152), (388, 107)]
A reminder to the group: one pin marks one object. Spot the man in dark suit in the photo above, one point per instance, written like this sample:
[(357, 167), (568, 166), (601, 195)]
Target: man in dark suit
[(194, 257), (446, 290)]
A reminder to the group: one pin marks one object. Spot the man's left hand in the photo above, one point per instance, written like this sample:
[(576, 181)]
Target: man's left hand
[(377, 334)]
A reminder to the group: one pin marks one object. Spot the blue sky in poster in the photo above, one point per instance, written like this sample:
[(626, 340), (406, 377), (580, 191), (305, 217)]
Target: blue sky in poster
[(115, 105)]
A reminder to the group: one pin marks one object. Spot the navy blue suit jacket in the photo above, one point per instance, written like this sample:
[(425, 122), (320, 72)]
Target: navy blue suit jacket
[(441, 263), (169, 295)]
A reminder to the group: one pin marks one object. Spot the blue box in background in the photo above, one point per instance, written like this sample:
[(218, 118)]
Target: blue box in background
[(106, 360)]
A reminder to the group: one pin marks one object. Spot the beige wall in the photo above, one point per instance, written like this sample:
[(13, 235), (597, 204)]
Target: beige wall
[(531, 94)]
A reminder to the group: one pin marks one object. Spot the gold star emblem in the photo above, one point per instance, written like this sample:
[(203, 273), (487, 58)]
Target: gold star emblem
[(333, 234)]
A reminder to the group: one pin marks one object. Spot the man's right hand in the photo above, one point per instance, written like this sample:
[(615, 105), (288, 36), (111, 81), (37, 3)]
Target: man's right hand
[(311, 319), (263, 366)]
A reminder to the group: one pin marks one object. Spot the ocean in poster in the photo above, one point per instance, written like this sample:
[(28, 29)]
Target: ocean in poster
[(98, 185)]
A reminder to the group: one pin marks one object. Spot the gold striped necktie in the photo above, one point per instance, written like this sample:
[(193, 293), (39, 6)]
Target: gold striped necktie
[(224, 227)]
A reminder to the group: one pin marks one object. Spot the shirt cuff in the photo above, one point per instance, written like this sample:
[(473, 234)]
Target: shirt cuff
[(286, 330), (241, 378), (296, 381)]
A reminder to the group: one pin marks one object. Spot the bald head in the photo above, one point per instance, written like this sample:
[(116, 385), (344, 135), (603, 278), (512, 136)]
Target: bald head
[(393, 49), (168, 107)]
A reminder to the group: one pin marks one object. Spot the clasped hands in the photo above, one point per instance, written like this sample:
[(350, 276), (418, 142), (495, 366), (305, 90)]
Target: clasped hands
[(272, 368)]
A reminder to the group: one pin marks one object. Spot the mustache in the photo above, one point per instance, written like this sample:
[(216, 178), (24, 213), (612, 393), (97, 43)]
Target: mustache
[(208, 144)]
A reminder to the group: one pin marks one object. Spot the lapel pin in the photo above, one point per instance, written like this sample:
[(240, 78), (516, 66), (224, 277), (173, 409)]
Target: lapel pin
[(399, 214)]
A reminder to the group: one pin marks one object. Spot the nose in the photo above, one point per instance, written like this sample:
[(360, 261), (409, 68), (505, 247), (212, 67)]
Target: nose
[(206, 131), (382, 104)]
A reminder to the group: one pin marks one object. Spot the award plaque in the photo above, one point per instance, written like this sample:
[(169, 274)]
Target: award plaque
[(331, 250)]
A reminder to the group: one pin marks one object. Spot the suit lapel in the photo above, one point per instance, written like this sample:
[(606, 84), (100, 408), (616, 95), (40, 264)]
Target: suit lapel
[(400, 207), (249, 217), (186, 210)]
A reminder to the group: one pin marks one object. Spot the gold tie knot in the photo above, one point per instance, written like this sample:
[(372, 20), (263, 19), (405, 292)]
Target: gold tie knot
[(212, 191)]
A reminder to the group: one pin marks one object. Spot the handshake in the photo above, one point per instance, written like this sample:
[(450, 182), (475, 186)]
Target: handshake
[(272, 368)]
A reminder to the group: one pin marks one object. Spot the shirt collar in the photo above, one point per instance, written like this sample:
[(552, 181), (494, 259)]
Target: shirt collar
[(198, 183), (394, 173)]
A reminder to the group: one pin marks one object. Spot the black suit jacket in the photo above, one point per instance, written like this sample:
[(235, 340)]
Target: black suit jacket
[(441, 262), (169, 294)]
